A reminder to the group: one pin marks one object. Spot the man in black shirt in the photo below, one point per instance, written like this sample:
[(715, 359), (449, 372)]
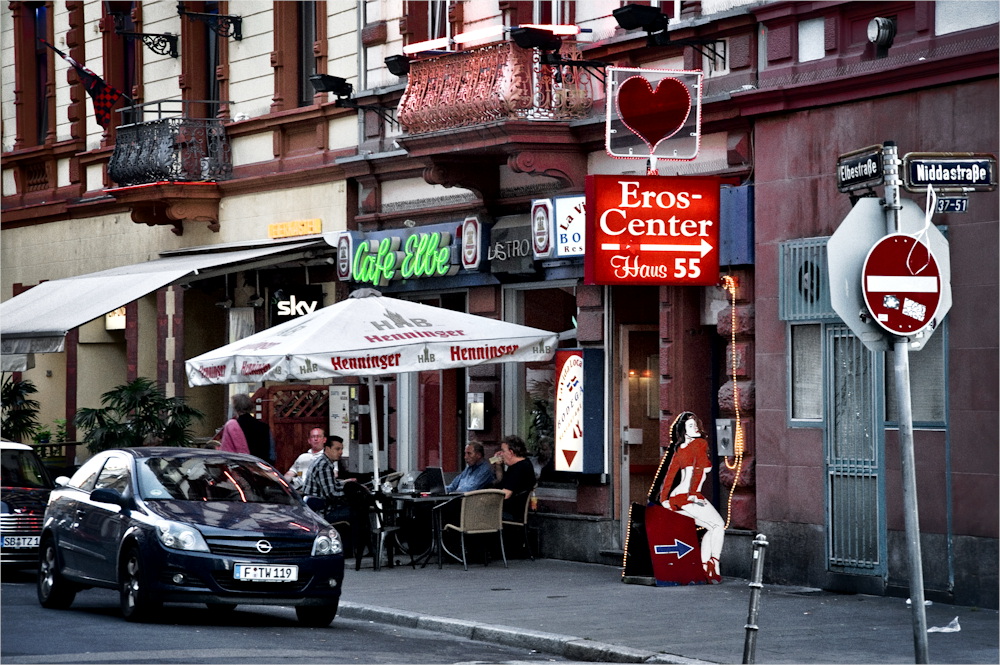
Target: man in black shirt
[(517, 479)]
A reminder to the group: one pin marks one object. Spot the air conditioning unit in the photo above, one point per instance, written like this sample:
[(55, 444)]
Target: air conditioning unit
[(805, 283)]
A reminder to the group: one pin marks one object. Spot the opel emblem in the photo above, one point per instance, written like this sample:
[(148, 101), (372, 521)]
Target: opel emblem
[(263, 546)]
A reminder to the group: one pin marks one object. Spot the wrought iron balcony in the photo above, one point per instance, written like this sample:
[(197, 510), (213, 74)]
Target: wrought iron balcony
[(491, 83), (167, 145)]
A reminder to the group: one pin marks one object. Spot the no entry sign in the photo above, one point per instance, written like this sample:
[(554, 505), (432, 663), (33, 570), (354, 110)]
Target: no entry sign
[(901, 282)]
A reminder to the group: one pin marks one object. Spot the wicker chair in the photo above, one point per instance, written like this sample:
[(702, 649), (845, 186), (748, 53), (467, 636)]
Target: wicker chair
[(480, 512)]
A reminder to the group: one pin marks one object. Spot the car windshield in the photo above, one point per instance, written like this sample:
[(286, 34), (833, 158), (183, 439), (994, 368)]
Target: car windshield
[(211, 478), (21, 468)]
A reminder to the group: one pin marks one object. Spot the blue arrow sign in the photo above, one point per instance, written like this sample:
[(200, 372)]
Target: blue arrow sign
[(680, 548)]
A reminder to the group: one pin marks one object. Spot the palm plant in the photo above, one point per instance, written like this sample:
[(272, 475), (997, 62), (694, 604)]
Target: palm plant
[(20, 411), (134, 414)]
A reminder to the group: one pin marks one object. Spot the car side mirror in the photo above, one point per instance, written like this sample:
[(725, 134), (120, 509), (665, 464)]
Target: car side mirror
[(108, 495), (62, 481)]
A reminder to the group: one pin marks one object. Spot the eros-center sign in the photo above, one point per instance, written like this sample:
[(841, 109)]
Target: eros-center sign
[(652, 230)]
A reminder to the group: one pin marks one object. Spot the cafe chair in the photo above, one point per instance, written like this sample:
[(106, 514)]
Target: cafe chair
[(370, 528), (521, 518), (480, 512)]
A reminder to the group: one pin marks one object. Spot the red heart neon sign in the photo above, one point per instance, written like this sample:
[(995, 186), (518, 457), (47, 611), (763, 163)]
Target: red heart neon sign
[(653, 115)]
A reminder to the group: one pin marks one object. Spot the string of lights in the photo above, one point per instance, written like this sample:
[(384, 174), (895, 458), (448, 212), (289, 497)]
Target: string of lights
[(729, 284)]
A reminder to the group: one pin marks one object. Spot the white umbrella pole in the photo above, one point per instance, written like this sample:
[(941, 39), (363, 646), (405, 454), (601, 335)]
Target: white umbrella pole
[(372, 413)]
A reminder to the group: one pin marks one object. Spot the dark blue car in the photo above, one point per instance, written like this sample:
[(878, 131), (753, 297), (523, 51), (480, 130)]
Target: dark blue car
[(187, 525), (24, 491)]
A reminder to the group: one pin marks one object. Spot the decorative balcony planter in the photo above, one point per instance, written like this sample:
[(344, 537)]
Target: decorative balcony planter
[(492, 83), (170, 147)]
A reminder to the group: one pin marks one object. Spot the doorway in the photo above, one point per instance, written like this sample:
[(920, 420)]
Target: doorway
[(639, 392), (855, 449)]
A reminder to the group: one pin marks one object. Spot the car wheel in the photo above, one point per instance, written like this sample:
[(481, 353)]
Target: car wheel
[(137, 602), (54, 591), (317, 617)]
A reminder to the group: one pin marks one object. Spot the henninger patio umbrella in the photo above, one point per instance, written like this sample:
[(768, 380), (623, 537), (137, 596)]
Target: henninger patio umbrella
[(370, 335)]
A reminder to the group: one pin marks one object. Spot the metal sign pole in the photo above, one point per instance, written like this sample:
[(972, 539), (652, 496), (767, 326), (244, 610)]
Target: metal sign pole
[(901, 367)]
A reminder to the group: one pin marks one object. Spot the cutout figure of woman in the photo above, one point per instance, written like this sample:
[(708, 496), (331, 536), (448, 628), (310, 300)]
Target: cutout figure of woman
[(687, 464)]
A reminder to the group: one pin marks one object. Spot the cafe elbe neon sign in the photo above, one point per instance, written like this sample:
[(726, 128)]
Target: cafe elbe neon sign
[(426, 254)]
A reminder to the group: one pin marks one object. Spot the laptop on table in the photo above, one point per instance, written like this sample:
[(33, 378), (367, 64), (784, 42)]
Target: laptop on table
[(431, 481)]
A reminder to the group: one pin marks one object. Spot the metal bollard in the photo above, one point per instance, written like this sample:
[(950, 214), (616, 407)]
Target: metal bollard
[(756, 575)]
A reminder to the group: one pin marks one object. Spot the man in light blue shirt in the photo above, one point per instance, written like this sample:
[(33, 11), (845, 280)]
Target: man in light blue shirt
[(477, 474)]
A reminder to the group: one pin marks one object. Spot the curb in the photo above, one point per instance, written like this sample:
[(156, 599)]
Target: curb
[(567, 646)]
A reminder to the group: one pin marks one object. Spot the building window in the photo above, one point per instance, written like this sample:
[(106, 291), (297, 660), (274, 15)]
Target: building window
[(529, 388), (36, 115), (715, 60), (544, 12), (202, 55), (806, 372), (928, 378), (954, 16), (928, 383), (761, 47), (811, 39), (297, 30), (426, 19), (122, 56), (307, 60)]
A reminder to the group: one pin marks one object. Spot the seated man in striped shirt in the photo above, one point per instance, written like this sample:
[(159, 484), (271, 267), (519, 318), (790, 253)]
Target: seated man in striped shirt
[(326, 479)]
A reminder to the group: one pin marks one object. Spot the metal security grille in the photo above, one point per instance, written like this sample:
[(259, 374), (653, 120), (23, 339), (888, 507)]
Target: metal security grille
[(854, 453), (804, 293)]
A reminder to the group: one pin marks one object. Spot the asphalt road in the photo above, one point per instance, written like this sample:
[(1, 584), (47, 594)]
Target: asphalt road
[(93, 631)]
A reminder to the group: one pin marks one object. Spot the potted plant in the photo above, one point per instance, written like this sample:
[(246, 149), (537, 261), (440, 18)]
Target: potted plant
[(133, 413), (60, 433), (42, 435), (20, 411)]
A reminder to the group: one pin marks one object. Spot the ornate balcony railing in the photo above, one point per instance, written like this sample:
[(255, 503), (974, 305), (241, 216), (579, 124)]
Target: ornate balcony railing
[(170, 147), (493, 83)]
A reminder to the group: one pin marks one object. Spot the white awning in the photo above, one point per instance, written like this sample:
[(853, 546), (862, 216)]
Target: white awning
[(37, 320)]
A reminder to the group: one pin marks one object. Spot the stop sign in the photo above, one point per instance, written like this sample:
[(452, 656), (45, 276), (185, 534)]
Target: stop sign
[(901, 283)]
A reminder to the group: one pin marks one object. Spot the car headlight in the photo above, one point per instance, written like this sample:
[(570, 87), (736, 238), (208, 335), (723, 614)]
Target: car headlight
[(327, 543), (179, 536)]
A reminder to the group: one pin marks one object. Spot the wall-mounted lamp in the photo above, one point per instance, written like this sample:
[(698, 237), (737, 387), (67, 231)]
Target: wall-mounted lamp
[(881, 33), (335, 84), (549, 44), (654, 23), (163, 44), (398, 65), (220, 24), (535, 38), (343, 90)]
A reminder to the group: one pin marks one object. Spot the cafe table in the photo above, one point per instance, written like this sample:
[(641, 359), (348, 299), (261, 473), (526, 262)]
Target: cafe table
[(408, 503)]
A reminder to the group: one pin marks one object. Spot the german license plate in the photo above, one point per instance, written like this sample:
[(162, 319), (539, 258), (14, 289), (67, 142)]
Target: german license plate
[(19, 542), (253, 573)]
